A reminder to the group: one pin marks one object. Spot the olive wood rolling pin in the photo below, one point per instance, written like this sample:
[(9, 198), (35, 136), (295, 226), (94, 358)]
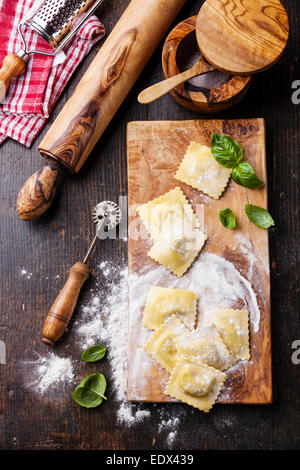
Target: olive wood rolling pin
[(97, 98)]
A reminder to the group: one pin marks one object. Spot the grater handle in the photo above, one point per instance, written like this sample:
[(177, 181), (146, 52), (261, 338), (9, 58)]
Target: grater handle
[(62, 310), (12, 66)]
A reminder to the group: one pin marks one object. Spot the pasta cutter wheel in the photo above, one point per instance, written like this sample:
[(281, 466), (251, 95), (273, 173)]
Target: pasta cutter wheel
[(106, 217)]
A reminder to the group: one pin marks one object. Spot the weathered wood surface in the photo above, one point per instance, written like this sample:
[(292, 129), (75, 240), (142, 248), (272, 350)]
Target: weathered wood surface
[(154, 152), (29, 423)]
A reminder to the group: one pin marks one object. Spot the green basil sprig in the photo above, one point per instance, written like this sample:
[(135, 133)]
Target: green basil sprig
[(259, 216), (93, 353), (90, 392), (227, 218), (229, 153), (226, 150)]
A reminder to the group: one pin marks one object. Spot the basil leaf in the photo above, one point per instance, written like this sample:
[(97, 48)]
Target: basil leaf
[(93, 354), (90, 392), (244, 175), (227, 218), (86, 398), (259, 216), (226, 150)]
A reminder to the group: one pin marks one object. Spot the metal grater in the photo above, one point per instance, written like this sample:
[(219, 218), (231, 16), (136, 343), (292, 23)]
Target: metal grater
[(56, 21)]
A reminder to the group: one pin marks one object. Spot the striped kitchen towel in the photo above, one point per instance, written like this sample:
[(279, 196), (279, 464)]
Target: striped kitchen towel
[(31, 96)]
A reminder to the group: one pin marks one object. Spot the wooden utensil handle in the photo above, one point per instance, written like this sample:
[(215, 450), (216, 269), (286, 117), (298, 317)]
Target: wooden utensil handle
[(12, 66), (159, 89), (62, 310)]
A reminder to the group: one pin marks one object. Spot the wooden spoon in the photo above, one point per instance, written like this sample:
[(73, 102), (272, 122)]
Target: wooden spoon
[(159, 89)]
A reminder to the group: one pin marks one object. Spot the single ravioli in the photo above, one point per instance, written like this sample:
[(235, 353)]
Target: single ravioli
[(233, 326), (205, 345), (161, 345), (177, 255), (195, 383), (201, 170), (168, 216), (163, 302)]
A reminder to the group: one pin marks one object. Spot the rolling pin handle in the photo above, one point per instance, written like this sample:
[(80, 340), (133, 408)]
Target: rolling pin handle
[(13, 66), (38, 191), (62, 310)]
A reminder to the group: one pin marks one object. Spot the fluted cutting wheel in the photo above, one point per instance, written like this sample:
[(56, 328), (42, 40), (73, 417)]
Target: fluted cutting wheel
[(106, 215)]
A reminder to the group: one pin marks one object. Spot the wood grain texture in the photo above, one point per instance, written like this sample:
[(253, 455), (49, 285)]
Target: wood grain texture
[(248, 35), (64, 305), (154, 152), (38, 192), (12, 66), (28, 421), (216, 99)]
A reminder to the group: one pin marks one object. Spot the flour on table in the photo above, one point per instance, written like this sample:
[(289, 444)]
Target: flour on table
[(50, 372)]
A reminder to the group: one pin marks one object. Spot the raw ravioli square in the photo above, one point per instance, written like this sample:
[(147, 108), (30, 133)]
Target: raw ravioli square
[(168, 216), (163, 302), (161, 345), (174, 227), (195, 383), (233, 326), (201, 170), (177, 255)]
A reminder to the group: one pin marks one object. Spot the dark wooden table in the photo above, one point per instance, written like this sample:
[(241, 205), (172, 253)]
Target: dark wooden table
[(50, 245)]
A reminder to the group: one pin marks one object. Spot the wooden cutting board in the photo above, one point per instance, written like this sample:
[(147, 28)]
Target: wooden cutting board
[(154, 151)]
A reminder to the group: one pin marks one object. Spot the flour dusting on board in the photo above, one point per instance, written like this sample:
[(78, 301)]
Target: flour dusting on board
[(217, 283)]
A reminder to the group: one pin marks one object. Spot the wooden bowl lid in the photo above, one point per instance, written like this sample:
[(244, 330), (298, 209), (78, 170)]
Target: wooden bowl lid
[(242, 37)]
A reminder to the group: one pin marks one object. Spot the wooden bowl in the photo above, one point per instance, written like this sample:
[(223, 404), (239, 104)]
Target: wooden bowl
[(208, 93)]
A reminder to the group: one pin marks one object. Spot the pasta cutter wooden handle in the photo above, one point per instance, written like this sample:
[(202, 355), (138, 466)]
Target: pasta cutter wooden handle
[(106, 216), (62, 310)]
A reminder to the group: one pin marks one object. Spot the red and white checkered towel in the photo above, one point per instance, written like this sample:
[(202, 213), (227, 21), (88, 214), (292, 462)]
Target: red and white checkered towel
[(31, 96)]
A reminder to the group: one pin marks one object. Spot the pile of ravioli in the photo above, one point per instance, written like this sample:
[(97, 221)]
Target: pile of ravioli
[(170, 220), (195, 358)]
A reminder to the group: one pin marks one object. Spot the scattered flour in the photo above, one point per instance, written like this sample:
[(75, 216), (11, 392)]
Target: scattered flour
[(129, 415), (51, 371), (171, 438), (104, 319)]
